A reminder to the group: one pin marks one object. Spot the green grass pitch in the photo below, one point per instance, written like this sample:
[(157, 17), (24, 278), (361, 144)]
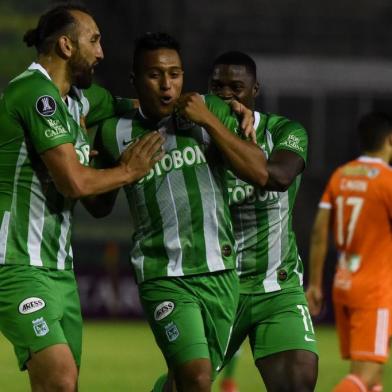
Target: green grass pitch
[(122, 357)]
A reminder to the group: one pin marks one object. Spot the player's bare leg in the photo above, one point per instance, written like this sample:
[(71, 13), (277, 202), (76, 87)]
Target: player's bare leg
[(53, 370), (289, 371), (369, 372), (194, 376)]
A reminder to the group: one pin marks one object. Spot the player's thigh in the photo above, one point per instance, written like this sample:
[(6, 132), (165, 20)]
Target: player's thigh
[(176, 320), (218, 298), (71, 321), (241, 327), (370, 334), (283, 323), (53, 368), (192, 317), (342, 322), (30, 310)]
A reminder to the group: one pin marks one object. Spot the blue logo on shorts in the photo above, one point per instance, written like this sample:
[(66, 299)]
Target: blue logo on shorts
[(40, 327), (172, 332)]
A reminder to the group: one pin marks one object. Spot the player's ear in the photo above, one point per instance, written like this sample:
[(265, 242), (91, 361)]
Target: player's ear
[(65, 47), (256, 89)]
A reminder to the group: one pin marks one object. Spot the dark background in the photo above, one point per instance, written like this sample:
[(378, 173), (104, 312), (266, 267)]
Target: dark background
[(322, 63)]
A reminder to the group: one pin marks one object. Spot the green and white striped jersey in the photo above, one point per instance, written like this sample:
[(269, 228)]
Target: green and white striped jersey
[(180, 209), (35, 219), (268, 258)]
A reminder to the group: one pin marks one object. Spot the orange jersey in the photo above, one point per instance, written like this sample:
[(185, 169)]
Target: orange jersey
[(359, 195)]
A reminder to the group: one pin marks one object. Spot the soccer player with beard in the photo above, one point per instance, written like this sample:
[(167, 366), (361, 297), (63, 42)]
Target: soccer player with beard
[(44, 155), (183, 249), (272, 309)]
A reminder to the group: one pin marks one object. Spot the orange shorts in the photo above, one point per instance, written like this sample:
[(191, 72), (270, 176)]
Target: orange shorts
[(363, 333)]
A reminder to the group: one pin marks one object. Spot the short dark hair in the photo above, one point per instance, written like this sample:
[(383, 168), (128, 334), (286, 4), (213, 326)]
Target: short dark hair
[(237, 58), (153, 41), (373, 128), (52, 24)]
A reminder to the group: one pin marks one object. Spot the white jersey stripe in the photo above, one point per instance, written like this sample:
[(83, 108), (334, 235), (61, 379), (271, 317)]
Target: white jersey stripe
[(36, 223), (4, 235), (381, 338), (211, 227), (21, 158), (64, 230), (171, 232), (257, 119), (270, 282)]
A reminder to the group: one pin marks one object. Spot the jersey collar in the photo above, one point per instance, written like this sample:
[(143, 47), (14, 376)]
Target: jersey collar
[(38, 67), (365, 158)]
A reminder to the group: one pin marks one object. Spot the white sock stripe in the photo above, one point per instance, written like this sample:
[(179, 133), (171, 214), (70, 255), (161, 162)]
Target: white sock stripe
[(358, 382), (381, 338)]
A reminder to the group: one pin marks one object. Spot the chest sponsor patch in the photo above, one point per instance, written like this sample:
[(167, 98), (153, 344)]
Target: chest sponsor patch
[(163, 310), (46, 105), (30, 305)]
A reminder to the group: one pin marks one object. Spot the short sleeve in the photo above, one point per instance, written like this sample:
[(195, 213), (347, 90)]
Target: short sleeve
[(326, 200), (223, 111), (99, 104), (291, 136), (43, 116)]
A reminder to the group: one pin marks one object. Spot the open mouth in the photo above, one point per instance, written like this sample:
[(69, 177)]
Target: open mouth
[(166, 100)]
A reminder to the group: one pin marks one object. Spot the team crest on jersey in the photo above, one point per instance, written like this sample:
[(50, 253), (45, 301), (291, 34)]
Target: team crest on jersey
[(40, 327), (172, 332), (46, 105), (31, 305), (163, 310)]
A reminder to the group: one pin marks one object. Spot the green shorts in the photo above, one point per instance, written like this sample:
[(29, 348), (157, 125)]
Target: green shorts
[(274, 322), (192, 317), (39, 308)]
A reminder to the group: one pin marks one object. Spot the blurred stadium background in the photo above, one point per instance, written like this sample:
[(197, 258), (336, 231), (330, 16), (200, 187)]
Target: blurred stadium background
[(322, 63)]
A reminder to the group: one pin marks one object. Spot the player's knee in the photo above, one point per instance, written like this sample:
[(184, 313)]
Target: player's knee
[(63, 383), (196, 380), (200, 381)]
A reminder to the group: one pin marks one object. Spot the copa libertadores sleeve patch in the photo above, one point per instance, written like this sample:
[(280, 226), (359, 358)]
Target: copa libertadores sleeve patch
[(46, 105)]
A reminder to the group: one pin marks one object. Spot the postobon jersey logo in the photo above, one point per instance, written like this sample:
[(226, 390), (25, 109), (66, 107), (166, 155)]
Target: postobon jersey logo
[(30, 305), (46, 105), (246, 193), (163, 310), (175, 160)]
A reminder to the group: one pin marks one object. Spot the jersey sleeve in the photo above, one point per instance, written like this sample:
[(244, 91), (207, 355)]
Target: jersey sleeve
[(223, 111), (99, 104), (106, 144), (326, 200), (292, 136), (388, 192), (43, 116)]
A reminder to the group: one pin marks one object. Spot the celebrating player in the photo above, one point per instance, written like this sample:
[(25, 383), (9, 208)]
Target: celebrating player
[(183, 248), (44, 154), (272, 308)]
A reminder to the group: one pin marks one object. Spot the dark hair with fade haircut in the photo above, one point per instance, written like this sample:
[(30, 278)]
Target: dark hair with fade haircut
[(237, 58), (53, 23), (373, 128), (153, 41)]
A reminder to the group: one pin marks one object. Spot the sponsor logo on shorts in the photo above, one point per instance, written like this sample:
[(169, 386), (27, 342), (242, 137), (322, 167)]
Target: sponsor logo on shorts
[(46, 105), (163, 310), (172, 332), (30, 305), (40, 327)]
